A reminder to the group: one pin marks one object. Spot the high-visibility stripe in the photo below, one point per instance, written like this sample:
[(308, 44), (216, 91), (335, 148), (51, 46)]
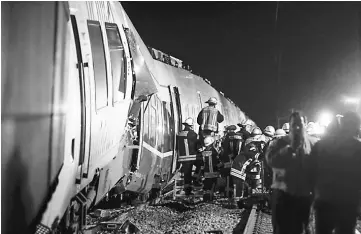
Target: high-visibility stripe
[(210, 163), (236, 171), (207, 153), (238, 174), (211, 174), (183, 133), (186, 146), (187, 158), (255, 177), (156, 152)]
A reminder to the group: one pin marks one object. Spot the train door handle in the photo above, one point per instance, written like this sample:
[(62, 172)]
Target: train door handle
[(72, 148)]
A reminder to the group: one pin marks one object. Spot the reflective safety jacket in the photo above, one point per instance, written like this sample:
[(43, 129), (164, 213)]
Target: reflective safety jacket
[(231, 147), (208, 118), (187, 146), (241, 165), (211, 160)]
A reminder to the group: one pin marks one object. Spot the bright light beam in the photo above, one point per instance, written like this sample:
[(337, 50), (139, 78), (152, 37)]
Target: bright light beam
[(325, 119), (351, 100)]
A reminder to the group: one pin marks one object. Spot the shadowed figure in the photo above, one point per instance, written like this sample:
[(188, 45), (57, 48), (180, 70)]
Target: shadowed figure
[(15, 192)]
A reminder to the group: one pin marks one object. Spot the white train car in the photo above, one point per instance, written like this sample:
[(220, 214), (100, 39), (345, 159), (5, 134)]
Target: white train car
[(72, 74)]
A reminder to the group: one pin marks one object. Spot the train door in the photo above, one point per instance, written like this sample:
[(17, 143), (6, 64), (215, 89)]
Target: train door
[(176, 112), (136, 125), (82, 67)]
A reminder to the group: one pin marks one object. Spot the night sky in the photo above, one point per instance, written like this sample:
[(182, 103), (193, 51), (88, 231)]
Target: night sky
[(235, 46)]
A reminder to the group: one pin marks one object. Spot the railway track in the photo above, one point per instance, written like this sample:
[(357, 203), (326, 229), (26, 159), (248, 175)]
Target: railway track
[(261, 223), (258, 222)]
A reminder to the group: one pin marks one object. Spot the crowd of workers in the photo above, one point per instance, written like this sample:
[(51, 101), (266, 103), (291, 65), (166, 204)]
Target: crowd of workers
[(298, 168)]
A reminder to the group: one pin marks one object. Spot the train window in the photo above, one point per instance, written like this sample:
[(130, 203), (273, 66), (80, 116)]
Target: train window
[(118, 61), (98, 54)]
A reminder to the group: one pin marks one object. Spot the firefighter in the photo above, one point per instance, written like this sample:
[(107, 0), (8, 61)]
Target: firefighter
[(209, 118), (291, 200), (286, 127), (269, 132), (246, 129), (187, 152), (231, 147), (258, 138), (212, 164), (239, 171), (280, 133)]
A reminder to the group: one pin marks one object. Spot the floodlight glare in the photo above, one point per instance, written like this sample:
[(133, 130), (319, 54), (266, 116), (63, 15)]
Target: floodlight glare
[(352, 100), (325, 119)]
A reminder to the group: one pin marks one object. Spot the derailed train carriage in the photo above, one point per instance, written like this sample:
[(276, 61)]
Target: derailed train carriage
[(86, 110)]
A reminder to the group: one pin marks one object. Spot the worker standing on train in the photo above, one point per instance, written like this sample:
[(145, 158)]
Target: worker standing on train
[(212, 164), (187, 152), (291, 199), (231, 147), (209, 118), (336, 176)]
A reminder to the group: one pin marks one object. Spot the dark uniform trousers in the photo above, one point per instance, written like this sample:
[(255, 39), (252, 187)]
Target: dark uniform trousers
[(231, 146), (341, 217), (290, 214), (211, 172), (187, 151)]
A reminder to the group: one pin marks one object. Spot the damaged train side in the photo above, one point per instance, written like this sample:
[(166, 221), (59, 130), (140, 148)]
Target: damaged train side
[(86, 108)]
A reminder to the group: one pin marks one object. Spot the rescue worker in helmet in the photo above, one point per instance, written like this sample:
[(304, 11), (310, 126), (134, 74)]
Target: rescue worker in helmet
[(258, 138), (187, 152), (291, 200), (209, 118), (239, 171), (279, 133), (246, 129), (286, 127), (212, 164), (231, 147), (269, 132)]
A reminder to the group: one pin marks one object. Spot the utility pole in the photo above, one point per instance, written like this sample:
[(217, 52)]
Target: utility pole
[(278, 57)]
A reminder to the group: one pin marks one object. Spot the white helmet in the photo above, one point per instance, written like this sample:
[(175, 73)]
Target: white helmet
[(280, 132), (189, 122), (208, 141), (310, 129), (212, 100), (269, 131), (286, 127)]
